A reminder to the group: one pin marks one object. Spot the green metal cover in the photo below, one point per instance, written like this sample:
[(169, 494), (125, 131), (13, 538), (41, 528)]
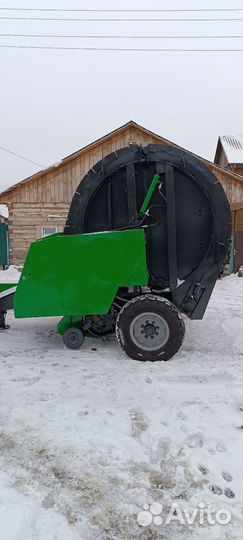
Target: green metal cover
[(79, 275), (4, 245), (6, 286)]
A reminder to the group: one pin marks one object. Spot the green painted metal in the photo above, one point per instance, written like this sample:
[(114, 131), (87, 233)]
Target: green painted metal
[(4, 245), (5, 286), (79, 275), (155, 182), (67, 322)]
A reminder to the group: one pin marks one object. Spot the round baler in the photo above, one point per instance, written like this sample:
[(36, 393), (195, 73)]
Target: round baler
[(145, 240), (187, 222)]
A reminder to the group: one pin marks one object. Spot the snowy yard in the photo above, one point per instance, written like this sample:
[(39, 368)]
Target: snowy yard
[(87, 438)]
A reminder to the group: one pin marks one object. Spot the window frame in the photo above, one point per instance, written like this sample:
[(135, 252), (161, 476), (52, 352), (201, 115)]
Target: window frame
[(48, 227)]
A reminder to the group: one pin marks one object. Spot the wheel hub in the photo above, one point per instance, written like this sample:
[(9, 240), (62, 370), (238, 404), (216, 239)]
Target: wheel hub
[(149, 331), (73, 338)]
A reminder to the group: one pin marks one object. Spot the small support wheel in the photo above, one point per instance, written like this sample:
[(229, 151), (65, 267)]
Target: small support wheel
[(150, 327), (73, 337)]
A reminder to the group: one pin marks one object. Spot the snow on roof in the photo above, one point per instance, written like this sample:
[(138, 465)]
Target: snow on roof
[(233, 148)]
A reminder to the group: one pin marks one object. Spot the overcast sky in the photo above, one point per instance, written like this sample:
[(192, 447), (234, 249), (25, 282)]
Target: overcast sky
[(55, 102)]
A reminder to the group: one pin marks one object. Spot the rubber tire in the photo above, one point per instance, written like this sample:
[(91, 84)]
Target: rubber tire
[(76, 333), (161, 306)]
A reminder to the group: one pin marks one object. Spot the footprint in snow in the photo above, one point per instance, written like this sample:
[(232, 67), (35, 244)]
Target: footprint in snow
[(216, 489), (138, 421), (181, 416), (229, 493), (195, 440), (220, 447), (204, 470), (227, 476)]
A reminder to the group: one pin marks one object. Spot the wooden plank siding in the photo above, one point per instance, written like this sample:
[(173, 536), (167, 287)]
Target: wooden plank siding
[(45, 198), (26, 222)]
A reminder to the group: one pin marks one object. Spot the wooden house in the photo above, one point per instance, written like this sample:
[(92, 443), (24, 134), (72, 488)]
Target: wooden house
[(39, 204), (229, 153)]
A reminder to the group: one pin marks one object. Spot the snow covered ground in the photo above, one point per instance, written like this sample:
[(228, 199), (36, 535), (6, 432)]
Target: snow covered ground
[(87, 438), (11, 275)]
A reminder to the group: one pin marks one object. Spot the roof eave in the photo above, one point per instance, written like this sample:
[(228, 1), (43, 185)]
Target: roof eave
[(68, 158), (103, 138)]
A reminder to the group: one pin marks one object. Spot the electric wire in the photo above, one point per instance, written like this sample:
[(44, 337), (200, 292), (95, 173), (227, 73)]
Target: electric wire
[(20, 156), (119, 10), (119, 36), (77, 19), (128, 49)]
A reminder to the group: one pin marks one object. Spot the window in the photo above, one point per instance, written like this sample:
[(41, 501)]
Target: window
[(47, 231)]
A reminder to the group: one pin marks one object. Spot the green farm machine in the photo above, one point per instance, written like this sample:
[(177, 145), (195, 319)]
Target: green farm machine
[(145, 240)]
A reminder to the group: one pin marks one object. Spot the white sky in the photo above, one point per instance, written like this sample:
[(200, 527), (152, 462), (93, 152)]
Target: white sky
[(55, 102)]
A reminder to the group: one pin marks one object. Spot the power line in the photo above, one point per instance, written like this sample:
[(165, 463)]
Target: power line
[(21, 157), (115, 49), (115, 20), (117, 36), (120, 10)]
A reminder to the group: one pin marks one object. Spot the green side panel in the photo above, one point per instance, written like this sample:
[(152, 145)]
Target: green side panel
[(5, 286), (79, 275), (4, 245)]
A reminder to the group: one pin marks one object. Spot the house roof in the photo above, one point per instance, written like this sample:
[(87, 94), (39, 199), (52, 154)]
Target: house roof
[(102, 139), (232, 147)]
